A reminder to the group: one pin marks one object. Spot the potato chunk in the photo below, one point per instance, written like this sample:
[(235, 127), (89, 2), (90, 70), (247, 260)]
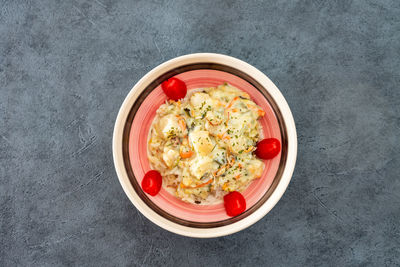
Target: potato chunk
[(170, 126), (200, 165), (199, 100), (201, 103), (170, 157), (201, 142)]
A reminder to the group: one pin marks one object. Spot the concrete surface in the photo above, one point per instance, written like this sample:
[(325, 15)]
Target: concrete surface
[(66, 66)]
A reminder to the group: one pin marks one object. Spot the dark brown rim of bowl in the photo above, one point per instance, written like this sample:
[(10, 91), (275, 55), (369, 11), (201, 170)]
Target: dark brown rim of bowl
[(146, 92)]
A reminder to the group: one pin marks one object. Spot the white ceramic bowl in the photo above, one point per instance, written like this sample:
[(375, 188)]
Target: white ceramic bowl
[(274, 193)]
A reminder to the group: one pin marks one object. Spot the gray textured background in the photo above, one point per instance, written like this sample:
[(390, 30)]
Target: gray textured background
[(66, 66)]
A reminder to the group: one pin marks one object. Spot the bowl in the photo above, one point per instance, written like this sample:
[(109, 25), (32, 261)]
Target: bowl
[(130, 145)]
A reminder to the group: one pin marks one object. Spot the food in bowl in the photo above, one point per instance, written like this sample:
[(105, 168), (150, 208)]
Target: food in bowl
[(202, 144), (130, 147)]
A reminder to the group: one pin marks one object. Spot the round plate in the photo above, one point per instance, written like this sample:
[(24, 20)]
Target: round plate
[(133, 124)]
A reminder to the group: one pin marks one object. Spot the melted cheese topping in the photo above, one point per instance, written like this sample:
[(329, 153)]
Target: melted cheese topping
[(203, 145)]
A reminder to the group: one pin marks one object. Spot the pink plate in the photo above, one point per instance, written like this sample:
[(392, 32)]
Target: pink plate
[(138, 146)]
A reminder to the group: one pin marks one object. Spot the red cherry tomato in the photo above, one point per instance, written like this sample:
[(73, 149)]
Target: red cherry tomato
[(151, 183), (268, 148), (234, 203), (174, 88)]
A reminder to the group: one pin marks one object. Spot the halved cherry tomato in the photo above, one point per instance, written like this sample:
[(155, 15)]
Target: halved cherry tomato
[(151, 183), (174, 88), (234, 203), (268, 148)]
